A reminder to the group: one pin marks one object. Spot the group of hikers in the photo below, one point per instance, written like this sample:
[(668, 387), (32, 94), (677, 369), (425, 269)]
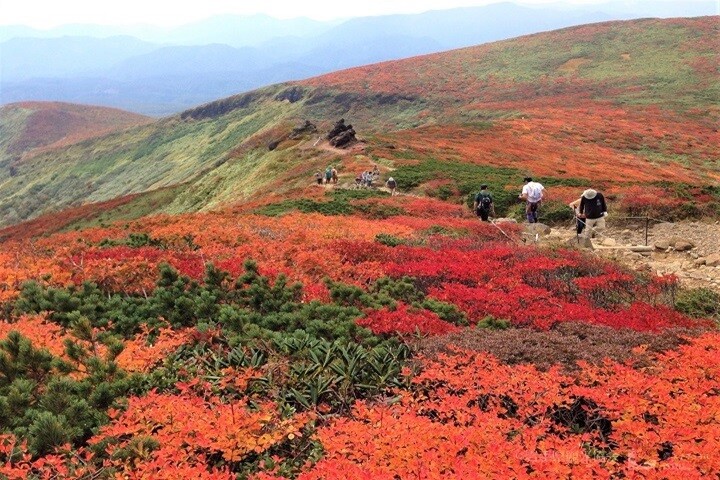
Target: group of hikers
[(330, 175), (364, 179), (590, 209)]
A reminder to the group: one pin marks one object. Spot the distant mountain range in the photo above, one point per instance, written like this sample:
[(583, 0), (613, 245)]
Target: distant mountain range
[(161, 71)]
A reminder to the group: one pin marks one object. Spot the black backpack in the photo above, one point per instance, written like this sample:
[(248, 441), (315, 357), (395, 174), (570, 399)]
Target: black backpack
[(485, 201)]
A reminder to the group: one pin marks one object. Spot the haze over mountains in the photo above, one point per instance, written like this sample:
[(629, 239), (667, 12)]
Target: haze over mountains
[(161, 71)]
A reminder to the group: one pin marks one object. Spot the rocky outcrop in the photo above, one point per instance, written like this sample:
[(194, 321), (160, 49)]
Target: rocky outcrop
[(341, 135)]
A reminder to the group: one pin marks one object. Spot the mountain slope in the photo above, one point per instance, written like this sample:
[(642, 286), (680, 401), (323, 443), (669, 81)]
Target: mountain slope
[(31, 127), (617, 104)]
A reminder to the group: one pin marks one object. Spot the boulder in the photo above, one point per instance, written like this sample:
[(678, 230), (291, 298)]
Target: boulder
[(662, 244), (539, 228), (341, 135), (344, 139), (608, 242), (700, 261), (580, 242), (713, 260), (683, 245)]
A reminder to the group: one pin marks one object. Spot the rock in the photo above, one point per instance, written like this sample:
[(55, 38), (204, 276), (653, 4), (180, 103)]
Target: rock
[(662, 244), (699, 262), (341, 135), (626, 233), (609, 242), (304, 129), (344, 139), (694, 256), (712, 260), (683, 245), (273, 145), (580, 242), (505, 220), (641, 249), (539, 228)]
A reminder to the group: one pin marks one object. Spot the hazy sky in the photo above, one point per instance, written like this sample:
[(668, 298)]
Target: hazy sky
[(50, 13)]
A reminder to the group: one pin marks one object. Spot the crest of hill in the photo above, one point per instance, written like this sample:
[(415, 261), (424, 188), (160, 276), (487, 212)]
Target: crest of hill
[(669, 62), (29, 128), (639, 95)]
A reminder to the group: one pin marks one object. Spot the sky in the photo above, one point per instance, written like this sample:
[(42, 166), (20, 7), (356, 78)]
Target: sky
[(51, 13)]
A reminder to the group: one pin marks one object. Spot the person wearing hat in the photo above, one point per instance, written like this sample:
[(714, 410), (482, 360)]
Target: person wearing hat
[(533, 193), (392, 185), (484, 204), (593, 210)]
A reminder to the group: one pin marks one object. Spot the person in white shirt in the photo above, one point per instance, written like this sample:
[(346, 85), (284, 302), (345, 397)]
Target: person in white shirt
[(533, 193)]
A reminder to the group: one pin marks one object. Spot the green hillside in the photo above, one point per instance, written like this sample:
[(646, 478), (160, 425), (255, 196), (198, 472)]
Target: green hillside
[(641, 96)]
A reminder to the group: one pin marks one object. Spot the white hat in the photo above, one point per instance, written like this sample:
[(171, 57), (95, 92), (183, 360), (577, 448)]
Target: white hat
[(589, 194), (390, 179)]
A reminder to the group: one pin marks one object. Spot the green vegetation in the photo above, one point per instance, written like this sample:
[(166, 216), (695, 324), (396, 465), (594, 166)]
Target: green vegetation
[(340, 203), (699, 303), (40, 399), (333, 359)]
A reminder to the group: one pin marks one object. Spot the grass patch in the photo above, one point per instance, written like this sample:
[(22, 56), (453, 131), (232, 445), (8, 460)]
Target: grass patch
[(338, 203)]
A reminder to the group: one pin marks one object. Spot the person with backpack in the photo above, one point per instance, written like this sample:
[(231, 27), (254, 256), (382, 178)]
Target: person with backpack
[(328, 174), (319, 177), (334, 175), (593, 210), (392, 185), (484, 205), (533, 193)]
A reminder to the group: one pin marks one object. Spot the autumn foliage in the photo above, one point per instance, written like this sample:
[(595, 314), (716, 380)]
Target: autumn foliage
[(316, 337)]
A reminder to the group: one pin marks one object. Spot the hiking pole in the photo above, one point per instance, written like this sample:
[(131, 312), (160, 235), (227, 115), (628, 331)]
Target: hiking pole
[(501, 231)]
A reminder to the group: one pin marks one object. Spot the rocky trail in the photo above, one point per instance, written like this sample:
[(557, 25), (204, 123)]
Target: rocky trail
[(689, 250)]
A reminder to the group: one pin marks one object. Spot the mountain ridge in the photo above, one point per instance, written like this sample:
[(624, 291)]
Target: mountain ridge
[(507, 109)]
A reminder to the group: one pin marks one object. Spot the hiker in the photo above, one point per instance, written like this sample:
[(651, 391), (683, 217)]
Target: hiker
[(533, 193), (358, 181), (593, 210), (484, 204), (334, 176), (368, 178), (319, 177), (328, 174), (392, 185), (375, 172)]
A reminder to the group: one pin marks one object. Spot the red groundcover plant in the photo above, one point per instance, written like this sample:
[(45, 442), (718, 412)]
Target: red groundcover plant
[(467, 416), (404, 320)]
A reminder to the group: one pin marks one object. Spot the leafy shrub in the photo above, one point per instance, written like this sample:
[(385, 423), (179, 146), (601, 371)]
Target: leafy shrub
[(699, 303), (389, 240)]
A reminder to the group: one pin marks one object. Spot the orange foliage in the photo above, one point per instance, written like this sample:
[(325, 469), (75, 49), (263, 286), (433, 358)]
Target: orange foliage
[(36, 328), (470, 417), (139, 356), (232, 429)]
